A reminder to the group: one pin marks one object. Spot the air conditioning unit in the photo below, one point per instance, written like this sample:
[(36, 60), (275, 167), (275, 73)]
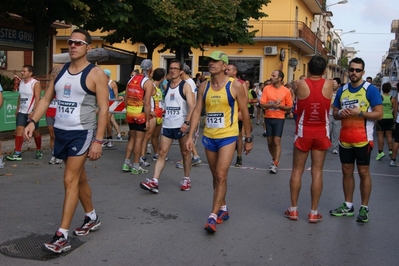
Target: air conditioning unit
[(270, 50), (142, 49)]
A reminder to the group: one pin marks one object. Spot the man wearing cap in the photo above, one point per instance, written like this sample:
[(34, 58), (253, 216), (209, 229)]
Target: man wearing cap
[(221, 95), (138, 106), (179, 105)]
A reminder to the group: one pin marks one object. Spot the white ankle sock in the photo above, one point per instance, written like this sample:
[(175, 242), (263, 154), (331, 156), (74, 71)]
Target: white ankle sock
[(92, 215)]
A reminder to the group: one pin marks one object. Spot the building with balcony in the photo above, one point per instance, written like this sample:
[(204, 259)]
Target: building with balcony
[(390, 61), (285, 40)]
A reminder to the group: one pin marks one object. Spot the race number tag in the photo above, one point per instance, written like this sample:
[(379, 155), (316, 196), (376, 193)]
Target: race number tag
[(350, 103), (215, 120), (172, 112), (67, 109)]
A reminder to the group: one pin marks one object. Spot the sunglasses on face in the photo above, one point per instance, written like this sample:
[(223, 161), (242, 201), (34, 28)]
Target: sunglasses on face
[(357, 70), (76, 42)]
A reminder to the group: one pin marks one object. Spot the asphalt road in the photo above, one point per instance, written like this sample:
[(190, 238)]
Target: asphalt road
[(141, 228)]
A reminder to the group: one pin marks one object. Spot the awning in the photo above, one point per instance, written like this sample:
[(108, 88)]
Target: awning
[(104, 56)]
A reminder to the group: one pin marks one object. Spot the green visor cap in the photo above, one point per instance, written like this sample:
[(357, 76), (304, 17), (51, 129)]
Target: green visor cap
[(219, 55)]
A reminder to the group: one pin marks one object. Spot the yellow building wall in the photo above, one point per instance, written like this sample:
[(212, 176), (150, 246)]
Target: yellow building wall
[(277, 11)]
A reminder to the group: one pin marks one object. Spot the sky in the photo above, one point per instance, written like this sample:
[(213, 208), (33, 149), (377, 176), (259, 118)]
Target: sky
[(372, 21)]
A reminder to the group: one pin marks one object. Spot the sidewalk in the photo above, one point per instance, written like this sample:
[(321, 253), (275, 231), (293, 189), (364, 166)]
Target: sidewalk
[(8, 143)]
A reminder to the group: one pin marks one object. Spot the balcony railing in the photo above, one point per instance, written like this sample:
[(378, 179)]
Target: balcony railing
[(287, 30)]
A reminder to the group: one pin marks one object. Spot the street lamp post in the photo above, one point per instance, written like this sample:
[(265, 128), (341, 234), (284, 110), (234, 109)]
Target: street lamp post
[(350, 44), (322, 17), (338, 3), (346, 32)]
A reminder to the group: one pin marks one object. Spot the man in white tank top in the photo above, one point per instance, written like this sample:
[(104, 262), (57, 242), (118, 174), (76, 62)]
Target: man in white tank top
[(179, 105), (81, 88), (195, 157), (29, 96)]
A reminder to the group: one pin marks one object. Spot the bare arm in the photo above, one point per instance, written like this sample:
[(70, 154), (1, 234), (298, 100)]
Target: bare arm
[(242, 103), (100, 87), (195, 116), (1, 99), (190, 98), (37, 89), (149, 90), (114, 88)]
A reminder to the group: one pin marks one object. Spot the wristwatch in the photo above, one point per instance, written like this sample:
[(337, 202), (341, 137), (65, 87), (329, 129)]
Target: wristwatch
[(360, 114), (187, 123), (248, 140)]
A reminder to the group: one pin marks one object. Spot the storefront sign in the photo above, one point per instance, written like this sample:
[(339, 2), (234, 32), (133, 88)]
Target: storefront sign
[(18, 38)]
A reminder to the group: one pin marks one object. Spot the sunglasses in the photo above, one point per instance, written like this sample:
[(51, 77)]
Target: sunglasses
[(358, 70), (76, 42)]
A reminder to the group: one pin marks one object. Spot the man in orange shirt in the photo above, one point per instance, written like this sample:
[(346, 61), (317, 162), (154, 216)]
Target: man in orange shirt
[(276, 100)]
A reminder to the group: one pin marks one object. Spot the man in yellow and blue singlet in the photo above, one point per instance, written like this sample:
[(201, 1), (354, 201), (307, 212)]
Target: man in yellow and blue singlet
[(221, 96)]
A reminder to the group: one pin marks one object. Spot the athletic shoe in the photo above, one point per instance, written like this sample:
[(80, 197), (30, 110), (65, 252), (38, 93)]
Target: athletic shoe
[(180, 164), (149, 185), (222, 216), (110, 144), (264, 134), (292, 215), (58, 244), (127, 167), (210, 225), (52, 160), (138, 171), (273, 169), (271, 164), (148, 149), (143, 162), (195, 161), (393, 163), (185, 184), (87, 226), (39, 154), (363, 216), (335, 151), (58, 161), (119, 137), (105, 143), (314, 218), (390, 152), (380, 156), (2, 165), (238, 161), (343, 210), (14, 157)]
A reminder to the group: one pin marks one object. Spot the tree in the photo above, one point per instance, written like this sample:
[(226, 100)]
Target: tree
[(42, 13), (180, 25)]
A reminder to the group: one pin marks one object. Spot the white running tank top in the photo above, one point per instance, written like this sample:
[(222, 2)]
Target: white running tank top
[(176, 107), (26, 96), (76, 104)]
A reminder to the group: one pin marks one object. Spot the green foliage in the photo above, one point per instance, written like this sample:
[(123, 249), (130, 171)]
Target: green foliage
[(343, 62), (42, 13), (184, 24), (6, 82)]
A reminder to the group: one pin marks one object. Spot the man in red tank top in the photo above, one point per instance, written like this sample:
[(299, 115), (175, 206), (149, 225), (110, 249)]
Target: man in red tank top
[(312, 134)]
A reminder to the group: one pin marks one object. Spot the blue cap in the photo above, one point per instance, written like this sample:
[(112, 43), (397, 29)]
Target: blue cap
[(107, 72)]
